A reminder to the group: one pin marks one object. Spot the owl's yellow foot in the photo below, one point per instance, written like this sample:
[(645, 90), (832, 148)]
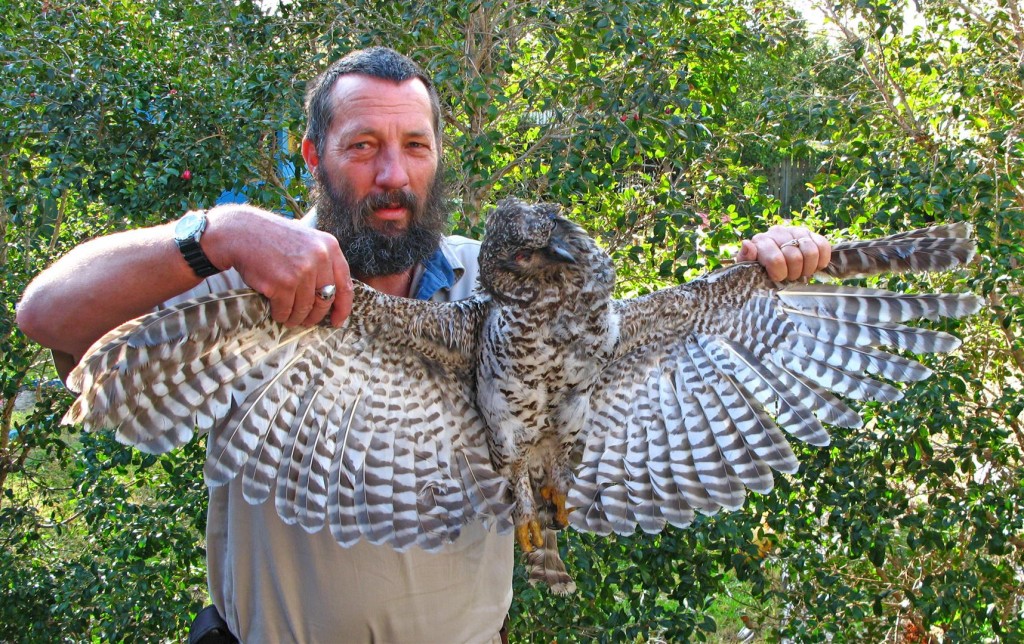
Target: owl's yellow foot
[(529, 535), (557, 499)]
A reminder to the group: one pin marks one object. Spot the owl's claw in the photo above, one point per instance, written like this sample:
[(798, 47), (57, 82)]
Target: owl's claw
[(535, 534), (557, 499), (529, 535), (523, 537)]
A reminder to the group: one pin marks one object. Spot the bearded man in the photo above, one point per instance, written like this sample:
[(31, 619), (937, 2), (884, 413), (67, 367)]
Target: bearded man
[(373, 146)]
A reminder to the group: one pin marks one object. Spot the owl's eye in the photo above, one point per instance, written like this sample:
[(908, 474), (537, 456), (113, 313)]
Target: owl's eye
[(522, 256)]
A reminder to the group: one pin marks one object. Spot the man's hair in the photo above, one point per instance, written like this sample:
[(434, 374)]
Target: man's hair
[(376, 62)]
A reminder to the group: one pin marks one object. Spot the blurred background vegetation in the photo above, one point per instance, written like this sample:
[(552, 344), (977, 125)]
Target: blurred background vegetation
[(671, 130)]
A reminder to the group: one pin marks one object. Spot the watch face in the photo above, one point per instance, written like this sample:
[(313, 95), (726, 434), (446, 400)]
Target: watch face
[(191, 226)]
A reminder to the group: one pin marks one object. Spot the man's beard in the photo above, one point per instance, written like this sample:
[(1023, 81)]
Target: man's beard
[(391, 250)]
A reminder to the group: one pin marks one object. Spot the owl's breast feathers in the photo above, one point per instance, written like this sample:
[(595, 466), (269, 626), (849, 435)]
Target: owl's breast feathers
[(554, 344)]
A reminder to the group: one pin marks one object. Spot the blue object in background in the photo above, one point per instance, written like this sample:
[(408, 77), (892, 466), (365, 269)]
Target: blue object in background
[(285, 170)]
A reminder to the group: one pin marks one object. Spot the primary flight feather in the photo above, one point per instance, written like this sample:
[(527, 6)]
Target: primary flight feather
[(538, 404)]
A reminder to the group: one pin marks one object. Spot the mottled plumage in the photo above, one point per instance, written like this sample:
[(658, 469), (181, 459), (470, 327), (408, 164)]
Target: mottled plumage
[(538, 404)]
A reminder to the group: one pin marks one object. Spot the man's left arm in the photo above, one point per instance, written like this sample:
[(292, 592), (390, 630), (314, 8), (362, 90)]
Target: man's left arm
[(787, 252)]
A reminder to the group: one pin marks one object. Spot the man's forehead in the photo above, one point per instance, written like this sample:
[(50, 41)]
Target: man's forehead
[(360, 88)]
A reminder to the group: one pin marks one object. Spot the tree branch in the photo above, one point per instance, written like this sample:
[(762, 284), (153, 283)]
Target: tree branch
[(900, 109)]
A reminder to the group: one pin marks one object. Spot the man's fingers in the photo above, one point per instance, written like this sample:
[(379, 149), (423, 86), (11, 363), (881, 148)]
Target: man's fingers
[(333, 291), (748, 251), (305, 298), (281, 306), (773, 258), (324, 297), (322, 301), (342, 305), (814, 250), (795, 260), (809, 256), (767, 249), (824, 252), (787, 252)]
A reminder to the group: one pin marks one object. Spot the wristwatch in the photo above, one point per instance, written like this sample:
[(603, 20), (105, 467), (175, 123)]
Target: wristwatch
[(187, 234)]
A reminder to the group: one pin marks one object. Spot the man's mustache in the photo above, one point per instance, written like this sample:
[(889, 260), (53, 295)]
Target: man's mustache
[(391, 199)]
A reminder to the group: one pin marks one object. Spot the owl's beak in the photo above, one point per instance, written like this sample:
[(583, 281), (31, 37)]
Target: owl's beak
[(557, 251)]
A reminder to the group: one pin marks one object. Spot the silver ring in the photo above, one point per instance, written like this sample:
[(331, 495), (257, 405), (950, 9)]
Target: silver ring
[(326, 293), (796, 242)]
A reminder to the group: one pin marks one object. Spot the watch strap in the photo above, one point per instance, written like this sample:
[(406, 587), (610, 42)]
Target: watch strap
[(193, 252), (196, 258)]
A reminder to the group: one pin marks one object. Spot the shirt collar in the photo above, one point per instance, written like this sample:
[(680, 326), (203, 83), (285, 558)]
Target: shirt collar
[(439, 271)]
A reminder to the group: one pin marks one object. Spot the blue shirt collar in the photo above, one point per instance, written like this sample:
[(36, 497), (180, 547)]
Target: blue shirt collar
[(437, 274)]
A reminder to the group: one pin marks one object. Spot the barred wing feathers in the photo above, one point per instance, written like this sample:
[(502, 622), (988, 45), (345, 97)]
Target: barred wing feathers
[(710, 376), (369, 428)]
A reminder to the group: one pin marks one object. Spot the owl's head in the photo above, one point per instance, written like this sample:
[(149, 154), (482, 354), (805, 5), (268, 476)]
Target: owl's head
[(527, 246)]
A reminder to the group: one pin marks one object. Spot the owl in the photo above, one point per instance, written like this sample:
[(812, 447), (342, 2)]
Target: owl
[(540, 404)]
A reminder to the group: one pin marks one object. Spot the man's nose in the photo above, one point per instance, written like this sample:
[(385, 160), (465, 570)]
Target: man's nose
[(391, 173)]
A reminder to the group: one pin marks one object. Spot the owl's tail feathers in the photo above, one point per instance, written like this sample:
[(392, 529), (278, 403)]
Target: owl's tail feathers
[(937, 248), (545, 565)]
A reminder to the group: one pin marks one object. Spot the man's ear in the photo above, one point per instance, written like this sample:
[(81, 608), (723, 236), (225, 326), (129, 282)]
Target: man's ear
[(310, 155)]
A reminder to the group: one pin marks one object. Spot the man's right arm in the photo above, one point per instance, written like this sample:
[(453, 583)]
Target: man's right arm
[(112, 279)]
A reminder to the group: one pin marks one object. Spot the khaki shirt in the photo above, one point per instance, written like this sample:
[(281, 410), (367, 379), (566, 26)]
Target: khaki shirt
[(275, 583)]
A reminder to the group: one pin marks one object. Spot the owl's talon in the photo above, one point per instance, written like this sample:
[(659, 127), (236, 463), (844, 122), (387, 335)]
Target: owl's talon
[(561, 512), (529, 535), (535, 532), (557, 499), (523, 538)]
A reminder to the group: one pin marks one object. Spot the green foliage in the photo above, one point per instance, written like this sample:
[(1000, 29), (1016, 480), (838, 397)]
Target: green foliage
[(660, 126)]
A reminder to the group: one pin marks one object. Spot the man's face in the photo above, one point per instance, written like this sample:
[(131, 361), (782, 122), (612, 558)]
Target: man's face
[(378, 176)]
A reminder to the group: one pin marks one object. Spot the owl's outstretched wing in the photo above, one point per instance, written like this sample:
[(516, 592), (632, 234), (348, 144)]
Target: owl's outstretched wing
[(370, 428), (691, 411)]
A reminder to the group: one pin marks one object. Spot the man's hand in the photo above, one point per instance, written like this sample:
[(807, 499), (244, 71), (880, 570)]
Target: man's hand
[(109, 280), (787, 252), (284, 260)]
